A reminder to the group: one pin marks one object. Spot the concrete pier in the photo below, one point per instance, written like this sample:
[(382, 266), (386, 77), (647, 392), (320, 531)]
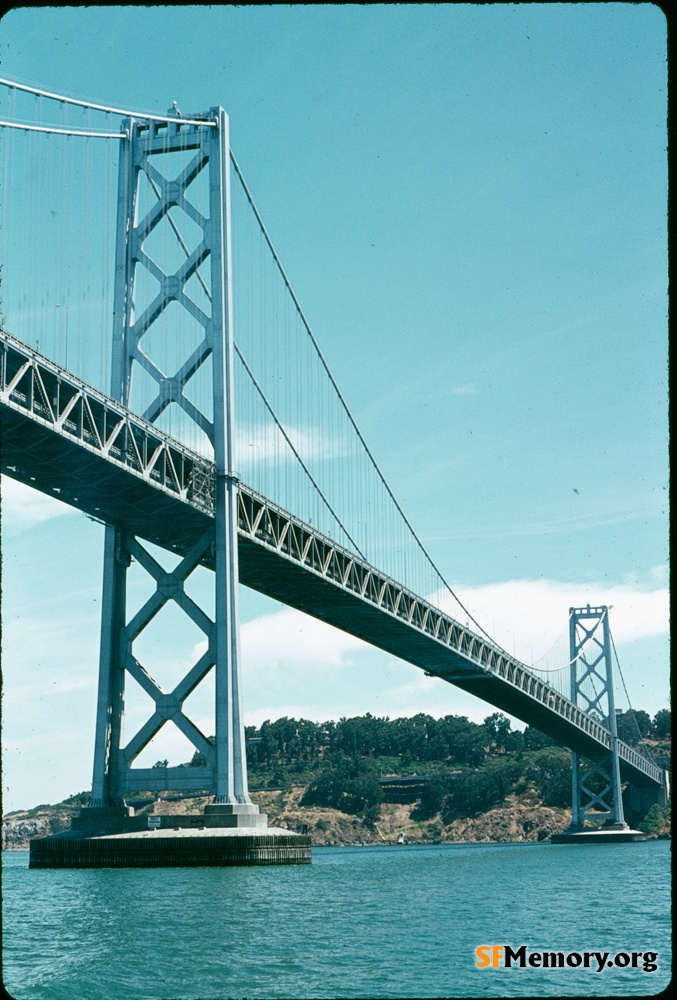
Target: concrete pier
[(172, 849), (601, 836), (223, 835)]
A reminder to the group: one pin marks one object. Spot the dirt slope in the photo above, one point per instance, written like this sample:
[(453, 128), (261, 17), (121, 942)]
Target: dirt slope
[(515, 821)]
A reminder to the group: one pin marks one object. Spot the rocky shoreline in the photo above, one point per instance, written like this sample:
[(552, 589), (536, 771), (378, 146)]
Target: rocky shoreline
[(517, 820)]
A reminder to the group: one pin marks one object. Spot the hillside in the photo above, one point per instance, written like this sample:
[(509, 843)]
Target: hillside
[(481, 783), (518, 819)]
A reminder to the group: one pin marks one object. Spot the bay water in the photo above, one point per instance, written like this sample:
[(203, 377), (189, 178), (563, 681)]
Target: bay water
[(390, 921)]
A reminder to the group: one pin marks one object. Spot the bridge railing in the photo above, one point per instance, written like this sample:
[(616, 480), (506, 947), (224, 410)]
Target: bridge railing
[(274, 527)]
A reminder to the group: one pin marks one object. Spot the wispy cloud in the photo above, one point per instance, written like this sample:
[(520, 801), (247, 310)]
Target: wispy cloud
[(652, 504), (265, 444), (468, 389), (527, 616), (329, 673), (290, 636), (24, 507)]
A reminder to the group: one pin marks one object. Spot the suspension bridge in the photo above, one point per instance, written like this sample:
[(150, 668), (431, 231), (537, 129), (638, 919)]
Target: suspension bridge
[(157, 372)]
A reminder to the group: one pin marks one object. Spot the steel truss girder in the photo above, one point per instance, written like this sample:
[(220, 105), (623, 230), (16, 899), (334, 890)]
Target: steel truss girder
[(291, 539), (261, 523), (592, 688), (32, 384)]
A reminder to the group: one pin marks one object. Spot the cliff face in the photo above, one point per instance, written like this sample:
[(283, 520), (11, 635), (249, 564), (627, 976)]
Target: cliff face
[(515, 821), (19, 829), (512, 822)]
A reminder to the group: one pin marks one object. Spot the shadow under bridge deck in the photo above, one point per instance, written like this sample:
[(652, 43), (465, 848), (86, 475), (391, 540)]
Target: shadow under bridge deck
[(72, 442)]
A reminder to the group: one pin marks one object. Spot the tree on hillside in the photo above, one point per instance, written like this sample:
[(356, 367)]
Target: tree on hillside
[(410, 736), (660, 727), (633, 726), (550, 771), (351, 791), (433, 794), (477, 791), (497, 727), (465, 741), (534, 739), (657, 820)]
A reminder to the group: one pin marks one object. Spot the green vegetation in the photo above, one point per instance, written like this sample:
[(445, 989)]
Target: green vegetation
[(660, 727), (469, 767), (79, 800), (353, 790), (547, 772), (297, 752), (657, 821), (550, 771), (634, 726), (287, 750)]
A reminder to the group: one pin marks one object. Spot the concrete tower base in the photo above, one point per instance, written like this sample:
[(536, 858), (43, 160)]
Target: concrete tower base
[(602, 836), (172, 849), (226, 834)]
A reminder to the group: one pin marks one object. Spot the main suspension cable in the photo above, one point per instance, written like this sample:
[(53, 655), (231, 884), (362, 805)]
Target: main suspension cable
[(343, 401), (62, 99), (63, 131), (294, 450)]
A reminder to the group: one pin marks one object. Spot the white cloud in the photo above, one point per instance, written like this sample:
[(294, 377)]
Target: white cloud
[(661, 574), (24, 507), (265, 444), (378, 683), (528, 616), (292, 636), (169, 744), (289, 653), (296, 666)]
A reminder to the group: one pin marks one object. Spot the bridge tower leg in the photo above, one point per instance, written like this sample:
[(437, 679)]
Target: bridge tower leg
[(203, 154), (596, 785)]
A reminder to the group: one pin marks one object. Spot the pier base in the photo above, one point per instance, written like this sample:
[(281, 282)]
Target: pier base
[(224, 835), (607, 835), (172, 849)]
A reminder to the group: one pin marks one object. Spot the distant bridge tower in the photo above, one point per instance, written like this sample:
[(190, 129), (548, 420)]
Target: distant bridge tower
[(202, 145), (596, 786)]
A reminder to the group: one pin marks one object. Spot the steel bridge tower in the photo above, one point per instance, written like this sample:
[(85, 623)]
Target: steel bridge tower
[(596, 786), (206, 141)]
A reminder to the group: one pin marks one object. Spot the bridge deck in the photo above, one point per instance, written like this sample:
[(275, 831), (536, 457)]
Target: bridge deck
[(72, 442)]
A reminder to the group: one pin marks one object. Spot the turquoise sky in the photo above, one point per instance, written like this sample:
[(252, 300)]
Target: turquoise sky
[(470, 202)]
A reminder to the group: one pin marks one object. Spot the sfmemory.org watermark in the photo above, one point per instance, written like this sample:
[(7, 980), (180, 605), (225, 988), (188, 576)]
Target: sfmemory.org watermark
[(503, 956)]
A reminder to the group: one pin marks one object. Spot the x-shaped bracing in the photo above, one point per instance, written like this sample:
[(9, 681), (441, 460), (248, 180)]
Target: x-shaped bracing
[(600, 801), (587, 647), (168, 706), (172, 288)]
